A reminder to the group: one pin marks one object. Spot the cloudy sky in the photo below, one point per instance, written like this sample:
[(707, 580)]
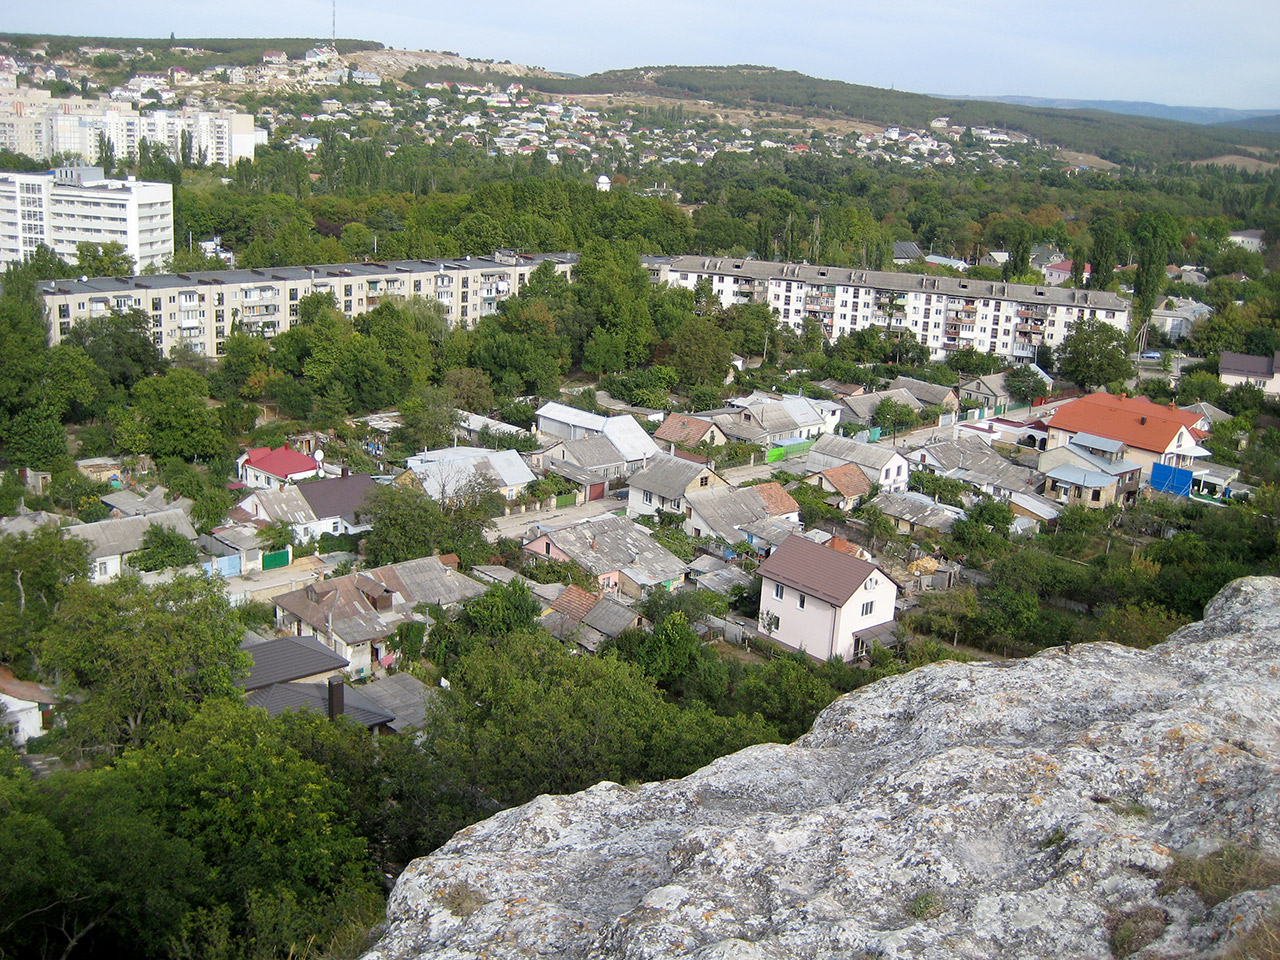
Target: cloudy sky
[(1223, 54)]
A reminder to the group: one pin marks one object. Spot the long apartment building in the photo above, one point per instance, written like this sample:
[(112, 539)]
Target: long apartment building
[(40, 126), (945, 313), (201, 309), (73, 205)]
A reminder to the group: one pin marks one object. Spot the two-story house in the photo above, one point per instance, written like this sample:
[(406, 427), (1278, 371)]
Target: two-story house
[(880, 464), (665, 484)]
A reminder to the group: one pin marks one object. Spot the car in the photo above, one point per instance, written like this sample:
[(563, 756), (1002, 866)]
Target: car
[(1151, 355)]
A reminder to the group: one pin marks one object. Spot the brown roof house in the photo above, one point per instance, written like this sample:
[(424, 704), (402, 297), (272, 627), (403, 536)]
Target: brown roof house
[(685, 430), (846, 484), (356, 615), (824, 602)]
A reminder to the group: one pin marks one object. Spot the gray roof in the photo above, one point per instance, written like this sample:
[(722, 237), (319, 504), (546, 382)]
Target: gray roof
[(594, 453), (402, 695), (772, 530), (110, 538), (1247, 365), (918, 509), (338, 496), (279, 697), (726, 509), (131, 504), (631, 440), (829, 447), (1094, 442), (571, 471), (970, 460), (1080, 476), (1208, 411), (611, 616), (446, 473), (927, 393), (285, 505), (607, 544), (863, 407), (723, 579), (288, 658), (666, 476), (31, 521), (564, 413)]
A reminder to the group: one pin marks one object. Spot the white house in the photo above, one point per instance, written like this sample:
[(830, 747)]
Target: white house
[(880, 464), (824, 602), (267, 469), (666, 483), (447, 473), (27, 706), (111, 541)]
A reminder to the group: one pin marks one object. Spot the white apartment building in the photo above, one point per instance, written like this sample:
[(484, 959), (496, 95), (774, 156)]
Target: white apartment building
[(945, 313), (73, 205), (38, 126), (202, 309)]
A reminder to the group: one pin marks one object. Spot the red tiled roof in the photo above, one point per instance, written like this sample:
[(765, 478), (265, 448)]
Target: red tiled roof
[(280, 463), (1133, 420), (574, 603), (682, 428), (11, 686), (776, 500), (848, 479), (847, 546)]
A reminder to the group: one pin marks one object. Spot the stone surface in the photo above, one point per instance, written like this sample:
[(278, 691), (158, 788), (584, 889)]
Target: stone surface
[(962, 810)]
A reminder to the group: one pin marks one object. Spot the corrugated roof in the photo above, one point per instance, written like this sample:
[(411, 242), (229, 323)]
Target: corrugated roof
[(288, 658), (848, 480), (867, 455), (402, 695), (572, 415), (609, 544), (726, 509), (594, 453), (631, 439), (286, 505), (611, 617), (574, 602), (666, 476), (817, 570)]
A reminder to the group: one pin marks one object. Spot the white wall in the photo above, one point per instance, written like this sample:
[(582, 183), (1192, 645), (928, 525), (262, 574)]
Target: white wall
[(25, 715), (820, 629)]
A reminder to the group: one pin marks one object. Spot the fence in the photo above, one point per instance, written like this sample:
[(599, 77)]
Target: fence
[(273, 561), (786, 450)]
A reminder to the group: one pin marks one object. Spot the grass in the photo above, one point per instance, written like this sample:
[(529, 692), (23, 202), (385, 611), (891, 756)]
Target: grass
[(462, 899), (1261, 943), (1222, 874), (1131, 808), (1131, 930), (925, 906), (1053, 839)]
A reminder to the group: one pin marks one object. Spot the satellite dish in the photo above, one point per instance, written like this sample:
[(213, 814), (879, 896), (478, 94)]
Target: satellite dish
[(319, 456)]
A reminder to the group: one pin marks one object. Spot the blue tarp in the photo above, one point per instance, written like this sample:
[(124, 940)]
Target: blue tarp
[(1171, 479)]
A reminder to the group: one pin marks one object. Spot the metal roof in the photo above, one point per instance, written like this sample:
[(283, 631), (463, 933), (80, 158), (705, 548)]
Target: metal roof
[(563, 413), (279, 697), (817, 570), (666, 476), (632, 440), (288, 658)]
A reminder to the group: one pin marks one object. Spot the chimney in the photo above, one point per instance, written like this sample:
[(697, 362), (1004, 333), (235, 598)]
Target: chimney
[(336, 698), (1143, 421)]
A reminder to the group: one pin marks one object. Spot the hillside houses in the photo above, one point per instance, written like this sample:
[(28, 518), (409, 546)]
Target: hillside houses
[(665, 485), (880, 464), (1151, 432), (619, 553), (767, 419), (458, 472), (762, 516)]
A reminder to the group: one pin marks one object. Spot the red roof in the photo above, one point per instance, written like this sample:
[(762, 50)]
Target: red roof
[(11, 686), (776, 500), (848, 479), (682, 428), (574, 603), (280, 463), (1132, 420)]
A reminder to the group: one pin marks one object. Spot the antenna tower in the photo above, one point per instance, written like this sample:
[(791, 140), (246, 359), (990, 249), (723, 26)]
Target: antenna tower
[(333, 25)]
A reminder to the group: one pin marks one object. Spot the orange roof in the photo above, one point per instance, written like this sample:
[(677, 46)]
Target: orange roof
[(682, 428), (11, 686), (849, 547), (574, 603), (848, 479), (1132, 420), (776, 500)]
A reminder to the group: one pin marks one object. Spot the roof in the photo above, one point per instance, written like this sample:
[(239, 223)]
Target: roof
[(611, 544), (574, 602), (923, 390), (683, 428), (1098, 443), (1135, 420), (287, 505), (867, 455), (593, 453), (279, 697), (776, 499), (848, 480), (1080, 477), (611, 616), (571, 471), (725, 510), (131, 504), (1247, 365), (288, 658), (817, 570), (400, 694), (572, 415), (110, 538), (447, 472), (338, 496), (1208, 411), (971, 460), (346, 605), (631, 439), (863, 407), (667, 476), (918, 509), (280, 463), (11, 686)]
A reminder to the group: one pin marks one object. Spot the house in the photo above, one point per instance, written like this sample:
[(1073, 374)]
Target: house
[(1090, 471), (1152, 433), (846, 484), (568, 423), (929, 394), (355, 615), (686, 430), (766, 419), (972, 461), (862, 408), (632, 445), (990, 391), (454, 472), (111, 541), (596, 454), (591, 485), (1261, 372), (906, 251), (589, 619), (619, 553), (882, 465), (664, 484), (337, 503), (730, 514), (1059, 272), (714, 574), (268, 469), (402, 695), (127, 503), (823, 602), (471, 426), (632, 442), (1251, 240), (28, 707), (286, 659), (913, 512), (333, 699)]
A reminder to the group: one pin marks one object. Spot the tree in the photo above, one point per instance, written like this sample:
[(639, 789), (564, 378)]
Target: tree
[(276, 535), (138, 657), (106, 260), (894, 415), (1093, 354), (701, 356), (163, 547), (173, 412), (119, 344), (35, 571), (666, 654), (1024, 384)]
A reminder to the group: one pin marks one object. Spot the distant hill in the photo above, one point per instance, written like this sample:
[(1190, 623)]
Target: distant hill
[(241, 51), (1133, 139), (1268, 124), (1137, 108)]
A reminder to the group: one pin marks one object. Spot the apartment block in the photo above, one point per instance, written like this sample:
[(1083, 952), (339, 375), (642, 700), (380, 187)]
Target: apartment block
[(946, 313), (73, 205), (201, 309)]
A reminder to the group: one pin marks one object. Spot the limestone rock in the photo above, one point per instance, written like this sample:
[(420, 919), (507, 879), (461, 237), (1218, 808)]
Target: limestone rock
[(958, 811)]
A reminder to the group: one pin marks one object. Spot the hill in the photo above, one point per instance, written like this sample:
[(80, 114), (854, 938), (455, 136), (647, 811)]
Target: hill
[(1137, 108), (234, 51), (1124, 140), (1268, 124)]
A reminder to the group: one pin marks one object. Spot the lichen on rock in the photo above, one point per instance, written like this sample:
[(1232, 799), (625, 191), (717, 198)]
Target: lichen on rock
[(963, 810)]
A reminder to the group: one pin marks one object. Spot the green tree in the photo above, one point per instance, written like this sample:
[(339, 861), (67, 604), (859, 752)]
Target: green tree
[(35, 572), (119, 344), (666, 654), (894, 415), (103, 260), (1024, 384), (701, 355), (163, 547), (137, 658), (173, 412), (1094, 353)]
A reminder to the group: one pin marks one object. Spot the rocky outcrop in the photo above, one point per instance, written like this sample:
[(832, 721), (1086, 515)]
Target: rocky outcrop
[(1005, 810)]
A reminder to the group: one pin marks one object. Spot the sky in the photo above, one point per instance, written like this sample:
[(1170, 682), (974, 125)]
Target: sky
[(1224, 54)]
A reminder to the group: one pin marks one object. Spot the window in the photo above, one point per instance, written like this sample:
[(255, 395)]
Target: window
[(868, 607), (800, 602), (335, 526), (346, 290), (546, 548), (102, 568), (778, 591), (703, 481), (648, 496)]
